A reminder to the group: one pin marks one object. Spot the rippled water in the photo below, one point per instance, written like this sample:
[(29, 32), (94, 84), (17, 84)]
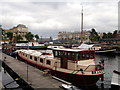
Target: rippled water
[(111, 63)]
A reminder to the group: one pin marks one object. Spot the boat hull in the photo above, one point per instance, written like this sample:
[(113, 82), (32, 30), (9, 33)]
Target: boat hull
[(75, 79), (105, 51)]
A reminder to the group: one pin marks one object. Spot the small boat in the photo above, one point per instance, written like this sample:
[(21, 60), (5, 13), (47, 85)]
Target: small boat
[(72, 65)]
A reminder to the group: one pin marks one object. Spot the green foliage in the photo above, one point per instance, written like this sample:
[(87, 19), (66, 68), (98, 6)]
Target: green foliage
[(110, 35), (94, 35), (36, 36), (115, 33), (18, 38), (29, 36), (9, 35)]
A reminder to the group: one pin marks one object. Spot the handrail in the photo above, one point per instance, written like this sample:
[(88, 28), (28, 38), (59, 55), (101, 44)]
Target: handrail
[(89, 66)]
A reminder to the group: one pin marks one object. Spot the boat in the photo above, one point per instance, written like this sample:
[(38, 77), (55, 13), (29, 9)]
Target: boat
[(106, 51), (97, 48), (53, 47), (30, 45), (72, 65)]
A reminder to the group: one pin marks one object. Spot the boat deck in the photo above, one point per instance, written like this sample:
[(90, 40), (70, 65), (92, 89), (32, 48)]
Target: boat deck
[(36, 78)]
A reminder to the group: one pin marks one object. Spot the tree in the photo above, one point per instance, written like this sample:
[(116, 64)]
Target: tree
[(18, 38), (29, 36), (1, 32), (10, 35), (104, 35), (115, 34), (94, 35), (109, 35), (37, 37)]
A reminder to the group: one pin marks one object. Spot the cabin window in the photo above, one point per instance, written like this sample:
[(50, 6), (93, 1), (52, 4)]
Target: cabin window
[(77, 56), (68, 55), (35, 58), (30, 57), (92, 55), (83, 55), (87, 55), (23, 54), (56, 53), (65, 53), (41, 60), (48, 62), (62, 53), (72, 56), (26, 55)]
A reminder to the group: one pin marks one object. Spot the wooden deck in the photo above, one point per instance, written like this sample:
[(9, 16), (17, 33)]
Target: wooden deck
[(36, 78)]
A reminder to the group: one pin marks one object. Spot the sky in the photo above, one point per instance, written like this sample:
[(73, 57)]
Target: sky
[(52, 16)]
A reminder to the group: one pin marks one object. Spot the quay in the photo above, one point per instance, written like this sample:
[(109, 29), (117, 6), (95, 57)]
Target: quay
[(27, 75)]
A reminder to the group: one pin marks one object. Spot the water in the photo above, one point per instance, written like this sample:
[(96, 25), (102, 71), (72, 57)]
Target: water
[(111, 63)]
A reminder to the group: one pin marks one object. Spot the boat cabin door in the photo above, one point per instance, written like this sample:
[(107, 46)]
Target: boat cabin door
[(64, 63)]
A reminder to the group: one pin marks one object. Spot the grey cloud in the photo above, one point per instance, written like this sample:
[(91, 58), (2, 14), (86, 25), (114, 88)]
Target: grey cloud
[(48, 18)]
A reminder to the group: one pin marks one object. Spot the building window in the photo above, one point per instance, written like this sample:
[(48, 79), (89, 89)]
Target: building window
[(35, 58), (48, 62), (41, 60), (30, 57)]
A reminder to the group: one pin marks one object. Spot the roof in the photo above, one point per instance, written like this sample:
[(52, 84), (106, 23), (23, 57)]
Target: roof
[(32, 52), (36, 53), (85, 46), (72, 50)]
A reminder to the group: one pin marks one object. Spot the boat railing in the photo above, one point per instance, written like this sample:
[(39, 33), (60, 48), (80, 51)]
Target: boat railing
[(80, 71), (95, 69)]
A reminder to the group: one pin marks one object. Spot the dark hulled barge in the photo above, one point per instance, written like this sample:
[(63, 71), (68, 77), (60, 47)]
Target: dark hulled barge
[(72, 65)]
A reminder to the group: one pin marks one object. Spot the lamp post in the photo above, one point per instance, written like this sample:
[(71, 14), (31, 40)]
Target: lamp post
[(27, 70), (27, 62)]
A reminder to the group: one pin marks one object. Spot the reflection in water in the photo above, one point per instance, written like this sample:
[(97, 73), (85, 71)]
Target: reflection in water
[(110, 64)]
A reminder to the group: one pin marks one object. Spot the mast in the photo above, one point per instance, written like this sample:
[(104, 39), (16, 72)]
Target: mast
[(82, 20), (81, 25)]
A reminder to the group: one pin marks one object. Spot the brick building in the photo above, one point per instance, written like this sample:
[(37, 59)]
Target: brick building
[(84, 36)]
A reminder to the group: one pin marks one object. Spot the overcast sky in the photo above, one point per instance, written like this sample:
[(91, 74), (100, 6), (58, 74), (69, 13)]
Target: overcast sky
[(48, 18)]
